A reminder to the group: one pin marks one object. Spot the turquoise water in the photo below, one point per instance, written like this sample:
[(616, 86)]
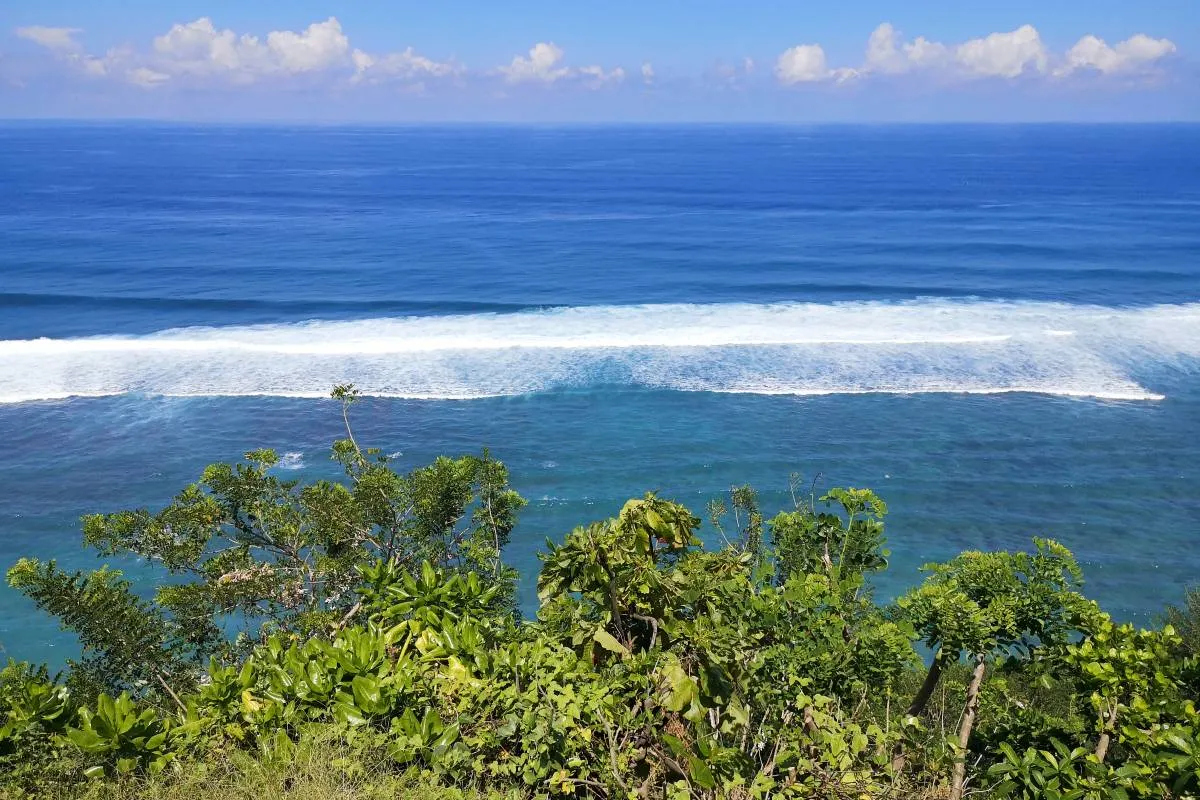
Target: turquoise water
[(997, 328)]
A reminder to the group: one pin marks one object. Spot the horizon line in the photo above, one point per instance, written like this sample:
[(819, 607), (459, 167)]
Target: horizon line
[(467, 123)]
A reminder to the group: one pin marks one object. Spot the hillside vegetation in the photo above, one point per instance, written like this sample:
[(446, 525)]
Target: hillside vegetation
[(360, 639)]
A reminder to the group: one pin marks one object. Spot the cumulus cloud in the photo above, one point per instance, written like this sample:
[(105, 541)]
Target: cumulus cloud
[(405, 65), (921, 52), (1002, 55), (318, 47), (544, 64), (60, 40), (199, 50), (806, 63), (887, 54), (803, 63), (882, 53), (1136, 53)]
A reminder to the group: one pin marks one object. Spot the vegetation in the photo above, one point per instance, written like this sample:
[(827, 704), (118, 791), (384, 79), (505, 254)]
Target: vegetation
[(360, 639)]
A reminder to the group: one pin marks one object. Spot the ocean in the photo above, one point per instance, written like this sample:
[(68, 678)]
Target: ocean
[(997, 328)]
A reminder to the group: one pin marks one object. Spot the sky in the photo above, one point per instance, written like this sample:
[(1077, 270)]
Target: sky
[(614, 61)]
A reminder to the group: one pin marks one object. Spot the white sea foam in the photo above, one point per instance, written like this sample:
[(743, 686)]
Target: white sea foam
[(291, 461), (783, 348)]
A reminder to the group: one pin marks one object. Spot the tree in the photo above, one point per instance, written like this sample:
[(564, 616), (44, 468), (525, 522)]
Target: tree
[(807, 540), (127, 642), (985, 604), (1129, 676), (656, 667), (1185, 620), (249, 551), (618, 570)]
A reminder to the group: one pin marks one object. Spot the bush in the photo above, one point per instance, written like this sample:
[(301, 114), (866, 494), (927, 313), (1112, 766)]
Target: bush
[(383, 636)]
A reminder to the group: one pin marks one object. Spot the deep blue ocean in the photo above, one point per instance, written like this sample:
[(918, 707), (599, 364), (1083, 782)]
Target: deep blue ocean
[(997, 328)]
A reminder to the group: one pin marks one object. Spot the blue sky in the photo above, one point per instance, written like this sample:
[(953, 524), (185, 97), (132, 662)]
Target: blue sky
[(655, 60)]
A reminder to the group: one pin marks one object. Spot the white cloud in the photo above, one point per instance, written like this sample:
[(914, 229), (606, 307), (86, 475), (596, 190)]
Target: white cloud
[(198, 48), (1135, 53), (545, 65), (804, 63), (199, 51), (1141, 47), (595, 77), (61, 40), (921, 52), (320, 46), (405, 65), (100, 66), (1004, 55), (144, 76), (882, 53), (886, 54)]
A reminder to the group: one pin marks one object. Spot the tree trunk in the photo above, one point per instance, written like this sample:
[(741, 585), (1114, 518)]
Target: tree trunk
[(964, 730), (926, 691), (918, 704), (1106, 734)]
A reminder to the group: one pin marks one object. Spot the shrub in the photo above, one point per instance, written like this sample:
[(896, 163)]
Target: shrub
[(656, 667)]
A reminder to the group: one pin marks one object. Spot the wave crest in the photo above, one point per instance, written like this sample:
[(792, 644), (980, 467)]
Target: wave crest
[(781, 348)]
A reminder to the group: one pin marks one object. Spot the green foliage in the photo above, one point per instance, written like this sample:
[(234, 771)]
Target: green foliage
[(34, 714), (979, 603), (619, 580), (246, 549), (1054, 773), (656, 667), (126, 641), (807, 541), (117, 738), (32, 705), (430, 595), (1185, 619)]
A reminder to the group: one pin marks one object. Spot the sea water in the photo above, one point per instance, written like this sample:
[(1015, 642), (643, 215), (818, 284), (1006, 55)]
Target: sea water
[(997, 328)]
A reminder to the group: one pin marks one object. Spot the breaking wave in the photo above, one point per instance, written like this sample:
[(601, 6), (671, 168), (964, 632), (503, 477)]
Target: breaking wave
[(782, 348)]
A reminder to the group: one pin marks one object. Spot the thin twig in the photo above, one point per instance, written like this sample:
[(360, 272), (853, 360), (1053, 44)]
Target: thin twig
[(174, 696), (349, 616)]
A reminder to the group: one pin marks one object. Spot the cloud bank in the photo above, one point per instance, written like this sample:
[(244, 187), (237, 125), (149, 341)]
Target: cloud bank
[(1003, 55), (201, 53)]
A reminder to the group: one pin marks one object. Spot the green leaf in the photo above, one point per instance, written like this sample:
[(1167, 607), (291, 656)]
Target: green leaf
[(609, 642), (700, 774)]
